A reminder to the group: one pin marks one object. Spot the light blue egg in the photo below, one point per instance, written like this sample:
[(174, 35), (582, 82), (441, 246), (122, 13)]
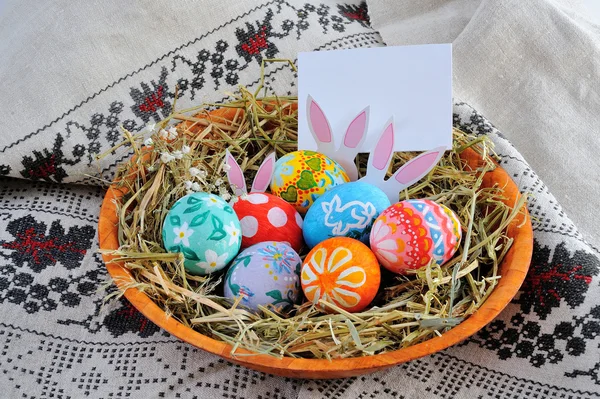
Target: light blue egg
[(206, 229), (347, 210), (267, 273)]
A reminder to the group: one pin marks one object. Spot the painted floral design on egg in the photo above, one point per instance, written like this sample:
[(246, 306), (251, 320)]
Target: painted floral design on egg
[(265, 274), (410, 234), (205, 229), (300, 177), (342, 271)]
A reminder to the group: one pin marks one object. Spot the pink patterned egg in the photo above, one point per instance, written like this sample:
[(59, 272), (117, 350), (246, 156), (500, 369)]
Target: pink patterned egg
[(409, 234)]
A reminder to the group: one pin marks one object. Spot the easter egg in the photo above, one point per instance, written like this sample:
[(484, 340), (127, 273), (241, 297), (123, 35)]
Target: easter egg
[(347, 210), (265, 274), (409, 234), (300, 177), (205, 229), (342, 271), (265, 217)]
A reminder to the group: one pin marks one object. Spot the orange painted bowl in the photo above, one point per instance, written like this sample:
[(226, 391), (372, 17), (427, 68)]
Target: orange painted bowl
[(513, 271)]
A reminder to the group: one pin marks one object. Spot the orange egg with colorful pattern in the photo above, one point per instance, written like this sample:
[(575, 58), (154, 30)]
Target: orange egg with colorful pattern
[(341, 271), (412, 233), (301, 177)]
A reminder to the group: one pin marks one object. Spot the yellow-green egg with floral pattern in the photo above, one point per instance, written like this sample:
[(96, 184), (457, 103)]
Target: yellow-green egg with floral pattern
[(301, 177), (205, 229)]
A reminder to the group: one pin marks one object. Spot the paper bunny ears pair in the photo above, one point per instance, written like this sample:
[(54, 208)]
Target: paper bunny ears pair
[(377, 167), (261, 180), (379, 159)]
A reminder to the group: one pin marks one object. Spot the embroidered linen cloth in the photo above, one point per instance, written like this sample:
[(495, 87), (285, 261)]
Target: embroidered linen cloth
[(57, 339)]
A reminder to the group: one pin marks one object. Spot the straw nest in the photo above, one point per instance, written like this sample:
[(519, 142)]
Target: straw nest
[(186, 153)]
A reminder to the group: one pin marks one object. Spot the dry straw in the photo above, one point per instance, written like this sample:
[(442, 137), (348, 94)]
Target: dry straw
[(408, 310)]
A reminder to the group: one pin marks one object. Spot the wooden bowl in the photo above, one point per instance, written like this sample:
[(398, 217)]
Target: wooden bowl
[(513, 271)]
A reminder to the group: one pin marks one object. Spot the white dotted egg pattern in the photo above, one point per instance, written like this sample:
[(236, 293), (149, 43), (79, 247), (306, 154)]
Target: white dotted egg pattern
[(277, 217), (249, 226), (299, 220), (257, 198)]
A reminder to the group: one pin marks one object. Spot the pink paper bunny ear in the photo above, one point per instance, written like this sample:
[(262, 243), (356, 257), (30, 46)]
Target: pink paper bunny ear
[(380, 158), (264, 174), (353, 140), (412, 171), (235, 175), (357, 130), (319, 127)]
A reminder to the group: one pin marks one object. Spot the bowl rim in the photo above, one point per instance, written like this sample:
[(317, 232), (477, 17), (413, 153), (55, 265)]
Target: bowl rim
[(513, 271)]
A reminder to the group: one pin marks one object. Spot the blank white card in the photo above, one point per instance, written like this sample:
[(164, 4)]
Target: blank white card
[(412, 84)]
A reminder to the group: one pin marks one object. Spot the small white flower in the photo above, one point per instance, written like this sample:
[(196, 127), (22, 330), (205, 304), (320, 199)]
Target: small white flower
[(226, 196), (182, 234), (177, 154), (196, 187), (218, 182), (148, 142), (186, 149), (194, 171), (213, 200), (213, 261), (188, 192), (165, 157), (172, 133), (234, 233), (226, 167), (151, 168), (163, 134), (188, 184), (150, 126)]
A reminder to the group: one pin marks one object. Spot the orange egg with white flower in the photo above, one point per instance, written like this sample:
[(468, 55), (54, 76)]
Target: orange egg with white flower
[(341, 271)]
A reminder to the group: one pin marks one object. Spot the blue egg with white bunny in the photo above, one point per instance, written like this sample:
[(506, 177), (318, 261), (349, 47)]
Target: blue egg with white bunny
[(347, 210)]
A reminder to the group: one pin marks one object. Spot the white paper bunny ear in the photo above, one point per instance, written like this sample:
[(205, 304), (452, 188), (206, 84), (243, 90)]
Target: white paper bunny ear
[(264, 174), (355, 136), (235, 175), (408, 174), (319, 127), (379, 159), (412, 171)]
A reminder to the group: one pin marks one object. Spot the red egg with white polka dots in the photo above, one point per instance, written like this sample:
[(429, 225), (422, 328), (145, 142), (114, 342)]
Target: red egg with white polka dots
[(266, 217)]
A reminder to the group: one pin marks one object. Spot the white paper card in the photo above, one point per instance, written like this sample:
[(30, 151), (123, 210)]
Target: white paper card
[(411, 84)]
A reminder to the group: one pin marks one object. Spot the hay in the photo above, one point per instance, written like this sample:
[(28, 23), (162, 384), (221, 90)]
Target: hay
[(408, 310)]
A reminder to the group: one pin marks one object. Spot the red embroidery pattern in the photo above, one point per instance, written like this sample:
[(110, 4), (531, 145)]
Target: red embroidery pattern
[(38, 245), (44, 170), (153, 101), (257, 43)]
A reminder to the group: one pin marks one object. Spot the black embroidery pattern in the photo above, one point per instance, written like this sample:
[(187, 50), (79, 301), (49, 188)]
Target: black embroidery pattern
[(126, 318), (476, 124), (47, 164), (151, 102), (34, 249), (355, 12), (564, 278), (255, 39)]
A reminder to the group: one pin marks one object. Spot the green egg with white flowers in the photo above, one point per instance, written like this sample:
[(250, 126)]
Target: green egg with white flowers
[(205, 229)]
